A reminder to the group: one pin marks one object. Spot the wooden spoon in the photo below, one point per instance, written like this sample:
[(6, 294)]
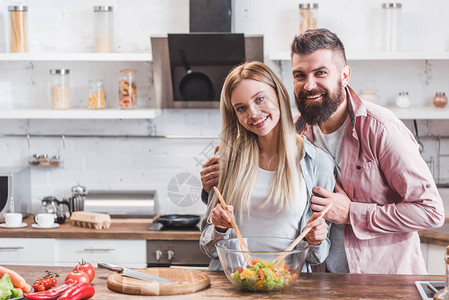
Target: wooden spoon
[(299, 238), (242, 243)]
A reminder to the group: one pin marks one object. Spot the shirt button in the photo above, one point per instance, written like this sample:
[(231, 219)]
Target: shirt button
[(428, 185), (358, 167)]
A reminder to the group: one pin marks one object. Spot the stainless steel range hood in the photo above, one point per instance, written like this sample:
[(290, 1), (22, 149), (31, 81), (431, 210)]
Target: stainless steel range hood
[(164, 72), (123, 204)]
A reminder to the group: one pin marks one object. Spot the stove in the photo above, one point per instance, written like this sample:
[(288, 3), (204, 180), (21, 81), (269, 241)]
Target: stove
[(165, 253)]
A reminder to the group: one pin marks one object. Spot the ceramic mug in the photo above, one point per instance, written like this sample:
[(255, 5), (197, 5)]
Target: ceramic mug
[(13, 219), (45, 220)]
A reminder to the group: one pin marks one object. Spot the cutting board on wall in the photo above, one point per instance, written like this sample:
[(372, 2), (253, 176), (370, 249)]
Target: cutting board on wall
[(186, 281)]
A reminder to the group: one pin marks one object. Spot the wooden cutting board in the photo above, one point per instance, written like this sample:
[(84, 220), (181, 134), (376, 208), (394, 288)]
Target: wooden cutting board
[(187, 281)]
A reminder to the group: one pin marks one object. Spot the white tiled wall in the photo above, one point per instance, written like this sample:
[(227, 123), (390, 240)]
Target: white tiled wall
[(150, 163)]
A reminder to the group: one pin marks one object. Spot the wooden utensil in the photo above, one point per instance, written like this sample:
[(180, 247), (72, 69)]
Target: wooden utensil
[(306, 230), (186, 281), (242, 243)]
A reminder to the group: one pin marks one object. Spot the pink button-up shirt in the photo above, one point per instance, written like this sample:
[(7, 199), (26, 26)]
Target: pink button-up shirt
[(392, 191)]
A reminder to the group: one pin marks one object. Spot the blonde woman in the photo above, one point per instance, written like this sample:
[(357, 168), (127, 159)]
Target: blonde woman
[(266, 171)]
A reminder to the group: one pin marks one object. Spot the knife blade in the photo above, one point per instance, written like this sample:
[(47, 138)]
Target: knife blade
[(132, 273)]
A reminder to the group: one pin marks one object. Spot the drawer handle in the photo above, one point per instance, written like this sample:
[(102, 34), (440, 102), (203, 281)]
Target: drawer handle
[(11, 248), (99, 249)]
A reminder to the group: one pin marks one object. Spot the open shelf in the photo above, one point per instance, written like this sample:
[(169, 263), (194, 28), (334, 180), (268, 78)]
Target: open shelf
[(76, 57), (80, 114), (421, 113), (377, 55)]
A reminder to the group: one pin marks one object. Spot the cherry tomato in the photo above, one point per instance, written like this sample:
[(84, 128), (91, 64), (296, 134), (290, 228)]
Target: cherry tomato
[(87, 268), (79, 276), (38, 287)]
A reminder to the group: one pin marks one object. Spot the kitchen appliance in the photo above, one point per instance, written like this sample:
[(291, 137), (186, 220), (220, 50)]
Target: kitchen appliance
[(122, 204), (79, 193), (210, 15), (60, 208), (213, 54), (177, 221), (15, 192)]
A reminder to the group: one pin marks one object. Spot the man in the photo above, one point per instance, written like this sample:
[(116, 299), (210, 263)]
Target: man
[(386, 192)]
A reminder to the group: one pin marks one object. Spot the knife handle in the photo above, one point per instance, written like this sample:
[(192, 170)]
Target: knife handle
[(109, 266)]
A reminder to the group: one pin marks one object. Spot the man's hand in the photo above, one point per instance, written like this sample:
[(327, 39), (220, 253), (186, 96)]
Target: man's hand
[(339, 212), (318, 233), (209, 173)]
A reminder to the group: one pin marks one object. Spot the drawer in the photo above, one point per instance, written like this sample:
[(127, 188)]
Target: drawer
[(27, 251), (131, 253)]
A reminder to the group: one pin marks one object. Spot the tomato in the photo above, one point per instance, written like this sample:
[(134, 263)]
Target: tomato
[(87, 268), (254, 261), (79, 276), (38, 287)]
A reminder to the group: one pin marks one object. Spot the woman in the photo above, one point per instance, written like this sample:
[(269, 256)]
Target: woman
[(260, 177)]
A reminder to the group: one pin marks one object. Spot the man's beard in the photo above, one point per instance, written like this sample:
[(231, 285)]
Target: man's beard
[(316, 113)]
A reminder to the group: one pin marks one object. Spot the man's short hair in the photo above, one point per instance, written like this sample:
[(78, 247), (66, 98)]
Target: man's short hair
[(316, 39)]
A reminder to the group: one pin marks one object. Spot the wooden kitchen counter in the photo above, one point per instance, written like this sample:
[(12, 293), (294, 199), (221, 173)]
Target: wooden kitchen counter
[(309, 286), (125, 229), (436, 236)]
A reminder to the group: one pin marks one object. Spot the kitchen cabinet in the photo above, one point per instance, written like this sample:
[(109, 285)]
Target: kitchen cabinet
[(30, 251), (131, 253), (67, 252), (434, 257), (418, 113)]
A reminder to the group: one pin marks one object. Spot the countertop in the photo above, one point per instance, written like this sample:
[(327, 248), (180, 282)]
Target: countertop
[(308, 286), (137, 229), (124, 229)]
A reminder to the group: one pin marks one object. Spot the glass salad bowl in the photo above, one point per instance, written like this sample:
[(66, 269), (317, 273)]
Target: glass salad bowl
[(264, 275)]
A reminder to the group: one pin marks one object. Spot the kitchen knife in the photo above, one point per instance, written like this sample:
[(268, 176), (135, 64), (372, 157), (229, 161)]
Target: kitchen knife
[(132, 273)]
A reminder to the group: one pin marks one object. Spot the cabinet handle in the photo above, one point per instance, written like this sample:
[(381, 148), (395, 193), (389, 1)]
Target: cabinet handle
[(11, 248), (99, 249)]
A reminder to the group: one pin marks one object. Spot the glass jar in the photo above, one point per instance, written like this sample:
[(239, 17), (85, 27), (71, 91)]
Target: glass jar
[(440, 99), (97, 96), (103, 29), (127, 89), (18, 28), (403, 101), (309, 14), (391, 22), (55, 161), (369, 95), (444, 293), (60, 88)]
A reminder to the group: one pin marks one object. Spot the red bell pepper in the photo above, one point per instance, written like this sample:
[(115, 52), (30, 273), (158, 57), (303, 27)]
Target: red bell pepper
[(78, 291), (51, 294)]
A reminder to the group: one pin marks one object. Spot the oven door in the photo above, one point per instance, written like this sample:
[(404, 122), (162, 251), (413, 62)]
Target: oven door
[(163, 253)]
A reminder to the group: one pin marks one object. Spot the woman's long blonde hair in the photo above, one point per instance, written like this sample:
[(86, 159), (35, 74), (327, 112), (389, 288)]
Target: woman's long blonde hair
[(239, 148)]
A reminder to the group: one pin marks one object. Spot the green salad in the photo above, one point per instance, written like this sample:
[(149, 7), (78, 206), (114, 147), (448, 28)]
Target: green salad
[(7, 290), (262, 276)]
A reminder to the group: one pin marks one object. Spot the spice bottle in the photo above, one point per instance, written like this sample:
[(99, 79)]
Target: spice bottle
[(97, 96), (444, 293), (60, 88), (391, 22), (44, 160), (403, 101), (308, 13), (18, 28), (55, 161), (127, 88), (440, 99), (103, 29)]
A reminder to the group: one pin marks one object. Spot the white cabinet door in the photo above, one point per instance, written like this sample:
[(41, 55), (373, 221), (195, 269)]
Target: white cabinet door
[(131, 253), (435, 260), (27, 251)]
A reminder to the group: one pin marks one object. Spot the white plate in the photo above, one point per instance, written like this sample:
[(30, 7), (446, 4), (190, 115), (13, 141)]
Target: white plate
[(37, 226), (20, 226)]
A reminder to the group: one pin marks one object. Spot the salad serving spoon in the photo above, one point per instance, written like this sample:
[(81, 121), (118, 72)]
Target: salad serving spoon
[(306, 230), (242, 243)]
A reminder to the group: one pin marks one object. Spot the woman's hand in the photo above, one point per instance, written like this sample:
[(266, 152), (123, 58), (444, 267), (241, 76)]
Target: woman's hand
[(220, 218), (319, 231)]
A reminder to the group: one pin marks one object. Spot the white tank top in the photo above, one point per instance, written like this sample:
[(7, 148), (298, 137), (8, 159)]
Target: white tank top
[(265, 221)]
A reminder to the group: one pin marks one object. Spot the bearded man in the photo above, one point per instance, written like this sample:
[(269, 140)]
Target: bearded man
[(385, 191)]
